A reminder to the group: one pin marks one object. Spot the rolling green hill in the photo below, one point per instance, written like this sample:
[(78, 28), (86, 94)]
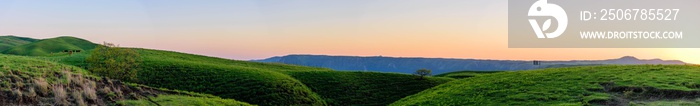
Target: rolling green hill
[(364, 88), (255, 83), (177, 100), (7, 42), (47, 47), (37, 78), (31, 81), (271, 83), (466, 74), (592, 85), (162, 55)]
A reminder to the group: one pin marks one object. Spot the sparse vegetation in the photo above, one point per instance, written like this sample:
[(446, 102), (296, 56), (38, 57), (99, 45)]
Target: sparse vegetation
[(59, 95), (89, 93), (78, 98), (42, 86)]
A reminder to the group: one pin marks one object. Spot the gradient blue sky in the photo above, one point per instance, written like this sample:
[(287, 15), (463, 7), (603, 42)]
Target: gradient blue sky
[(255, 29)]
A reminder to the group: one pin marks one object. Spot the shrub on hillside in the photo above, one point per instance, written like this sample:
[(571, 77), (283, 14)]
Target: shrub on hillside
[(422, 73), (114, 62)]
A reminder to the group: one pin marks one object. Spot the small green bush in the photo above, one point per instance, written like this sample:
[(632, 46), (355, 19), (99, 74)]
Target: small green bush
[(114, 62)]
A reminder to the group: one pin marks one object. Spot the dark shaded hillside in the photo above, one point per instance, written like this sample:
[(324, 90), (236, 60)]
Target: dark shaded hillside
[(7, 42), (439, 65), (46, 47), (364, 88)]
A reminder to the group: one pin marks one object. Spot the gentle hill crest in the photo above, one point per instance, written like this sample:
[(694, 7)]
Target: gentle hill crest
[(51, 46), (9, 41)]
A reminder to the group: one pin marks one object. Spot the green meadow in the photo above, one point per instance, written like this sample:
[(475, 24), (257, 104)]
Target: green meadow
[(589, 85)]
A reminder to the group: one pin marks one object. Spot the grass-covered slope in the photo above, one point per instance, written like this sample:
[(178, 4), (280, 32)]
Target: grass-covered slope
[(364, 88), (7, 42), (162, 55), (594, 85), (465, 74), (255, 83), (46, 47), (33, 81), (178, 100)]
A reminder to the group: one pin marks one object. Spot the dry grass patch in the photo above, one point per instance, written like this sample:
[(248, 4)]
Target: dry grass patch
[(78, 97), (17, 93), (42, 86), (59, 94), (89, 93)]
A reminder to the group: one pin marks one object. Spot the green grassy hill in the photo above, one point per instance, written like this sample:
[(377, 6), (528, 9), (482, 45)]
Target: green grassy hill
[(593, 85), (7, 42), (33, 81), (466, 74), (53, 46), (162, 55), (255, 83), (364, 88), (178, 100), (271, 83)]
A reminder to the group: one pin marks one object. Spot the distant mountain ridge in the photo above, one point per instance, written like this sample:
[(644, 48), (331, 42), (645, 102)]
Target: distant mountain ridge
[(441, 65)]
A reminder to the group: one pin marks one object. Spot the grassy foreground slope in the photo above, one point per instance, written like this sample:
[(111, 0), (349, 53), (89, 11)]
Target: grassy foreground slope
[(46, 47), (7, 42), (32, 81), (255, 83), (364, 88), (177, 100), (595, 85)]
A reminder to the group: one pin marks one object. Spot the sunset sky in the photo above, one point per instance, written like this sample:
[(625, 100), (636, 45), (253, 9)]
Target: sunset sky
[(256, 29)]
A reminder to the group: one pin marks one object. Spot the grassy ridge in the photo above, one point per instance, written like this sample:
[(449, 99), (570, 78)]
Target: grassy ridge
[(607, 85), (255, 83), (46, 47), (177, 56), (364, 88)]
